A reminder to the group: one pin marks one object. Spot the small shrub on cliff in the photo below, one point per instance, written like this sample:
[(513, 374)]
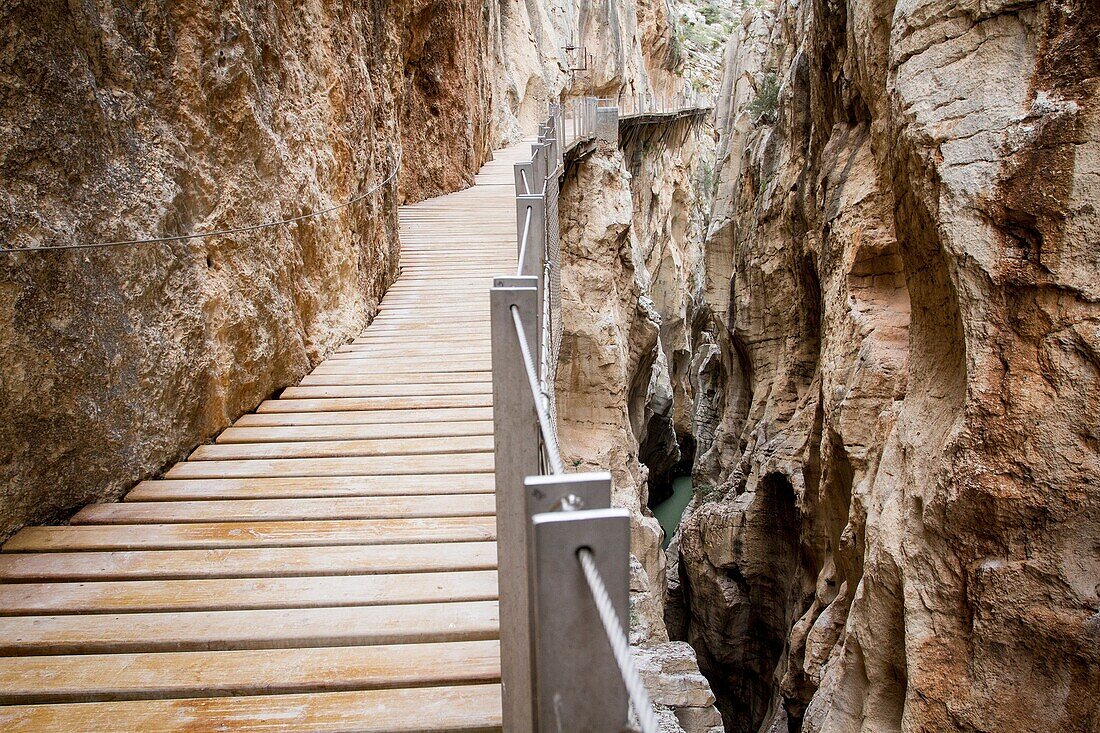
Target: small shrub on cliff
[(708, 492), (764, 108)]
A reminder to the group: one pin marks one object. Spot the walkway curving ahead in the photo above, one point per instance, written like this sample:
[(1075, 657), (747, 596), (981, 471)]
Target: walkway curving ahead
[(328, 564)]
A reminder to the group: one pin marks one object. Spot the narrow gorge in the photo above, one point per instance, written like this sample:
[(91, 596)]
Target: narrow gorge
[(831, 282)]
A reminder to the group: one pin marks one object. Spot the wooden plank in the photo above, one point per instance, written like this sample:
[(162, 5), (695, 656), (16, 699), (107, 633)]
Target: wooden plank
[(253, 534), (362, 466), (375, 403), (411, 371), (355, 432), (104, 677), (424, 308), (366, 362), (466, 327), (388, 390), (320, 379), (427, 330), (372, 417), (464, 349), (262, 562), (259, 629), (461, 709), (222, 594), (469, 319), (411, 447), (403, 336), (281, 510), (309, 487)]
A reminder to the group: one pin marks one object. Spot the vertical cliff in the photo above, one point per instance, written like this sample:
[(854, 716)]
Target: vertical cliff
[(631, 50), (126, 121), (898, 372), (628, 259)]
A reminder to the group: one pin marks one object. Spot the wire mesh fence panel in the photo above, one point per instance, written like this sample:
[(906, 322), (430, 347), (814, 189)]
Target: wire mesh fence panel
[(553, 295)]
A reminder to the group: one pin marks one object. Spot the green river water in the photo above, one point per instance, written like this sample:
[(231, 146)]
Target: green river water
[(669, 511)]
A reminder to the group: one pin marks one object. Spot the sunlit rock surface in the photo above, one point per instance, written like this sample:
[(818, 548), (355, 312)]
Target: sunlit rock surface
[(897, 524), (123, 122), (631, 220)]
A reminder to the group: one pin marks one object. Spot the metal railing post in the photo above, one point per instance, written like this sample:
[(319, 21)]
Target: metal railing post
[(607, 124), (517, 454), (532, 252), (525, 177), (579, 686), (545, 165), (590, 104), (538, 159), (555, 140)]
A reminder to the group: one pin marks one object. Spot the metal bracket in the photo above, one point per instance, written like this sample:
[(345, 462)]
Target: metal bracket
[(579, 686), (546, 493)]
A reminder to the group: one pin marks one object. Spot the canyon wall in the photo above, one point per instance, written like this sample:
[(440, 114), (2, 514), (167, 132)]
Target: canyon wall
[(631, 227), (126, 121), (630, 46), (897, 373)]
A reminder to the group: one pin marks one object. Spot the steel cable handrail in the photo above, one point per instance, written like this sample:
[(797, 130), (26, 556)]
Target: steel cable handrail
[(221, 232), (523, 240), (568, 124), (620, 644), (553, 454)]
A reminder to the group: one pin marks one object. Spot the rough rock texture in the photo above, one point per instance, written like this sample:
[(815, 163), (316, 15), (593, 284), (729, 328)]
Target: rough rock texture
[(897, 524), (444, 81), (129, 120), (627, 220), (631, 55)]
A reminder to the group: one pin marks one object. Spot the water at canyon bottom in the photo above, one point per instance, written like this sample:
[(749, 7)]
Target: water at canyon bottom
[(669, 511)]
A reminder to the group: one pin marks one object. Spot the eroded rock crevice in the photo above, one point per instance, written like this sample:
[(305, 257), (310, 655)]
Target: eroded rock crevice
[(632, 217), (876, 331)]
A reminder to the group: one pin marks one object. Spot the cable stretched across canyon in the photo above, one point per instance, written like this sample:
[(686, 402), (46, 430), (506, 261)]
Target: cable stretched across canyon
[(223, 232)]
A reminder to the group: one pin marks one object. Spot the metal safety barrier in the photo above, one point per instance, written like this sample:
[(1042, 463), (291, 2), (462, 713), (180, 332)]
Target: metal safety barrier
[(563, 551), (647, 105)]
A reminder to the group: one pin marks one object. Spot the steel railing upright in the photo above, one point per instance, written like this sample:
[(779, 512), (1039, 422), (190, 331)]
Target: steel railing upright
[(563, 552)]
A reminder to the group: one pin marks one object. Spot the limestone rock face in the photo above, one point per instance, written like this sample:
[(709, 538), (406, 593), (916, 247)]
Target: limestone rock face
[(897, 524), (631, 56), (124, 121), (631, 224)]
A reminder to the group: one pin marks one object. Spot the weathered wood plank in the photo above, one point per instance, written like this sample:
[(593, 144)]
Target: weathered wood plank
[(258, 562), (105, 677), (387, 390), (365, 466), (253, 534), (222, 594), (355, 432), (462, 709), (259, 629), (309, 487), (271, 510), (338, 404), (363, 417), (337, 448)]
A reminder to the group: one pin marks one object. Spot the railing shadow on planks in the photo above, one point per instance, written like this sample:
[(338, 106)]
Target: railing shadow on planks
[(563, 552)]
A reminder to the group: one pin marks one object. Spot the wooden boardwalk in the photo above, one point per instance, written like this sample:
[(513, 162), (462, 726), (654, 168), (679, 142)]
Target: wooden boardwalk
[(328, 564)]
